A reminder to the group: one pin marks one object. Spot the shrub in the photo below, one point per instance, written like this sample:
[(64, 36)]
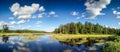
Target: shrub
[(111, 47)]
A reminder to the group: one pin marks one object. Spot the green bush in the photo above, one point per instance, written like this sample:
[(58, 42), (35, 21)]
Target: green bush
[(117, 39), (111, 47)]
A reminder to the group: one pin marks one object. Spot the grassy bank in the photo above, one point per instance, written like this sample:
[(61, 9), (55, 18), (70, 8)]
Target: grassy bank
[(77, 39), (63, 37), (21, 34)]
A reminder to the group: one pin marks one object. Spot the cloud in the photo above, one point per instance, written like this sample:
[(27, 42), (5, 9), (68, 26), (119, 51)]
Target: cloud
[(38, 26), (23, 28), (77, 14), (21, 22), (41, 9), (24, 17), (15, 7), (119, 23), (117, 13), (24, 12), (29, 27), (83, 15), (106, 26), (56, 16), (78, 17), (94, 8), (2, 23), (34, 16), (28, 20), (26, 27), (50, 29), (52, 14), (40, 15), (11, 26), (11, 18), (74, 13), (38, 22), (13, 22)]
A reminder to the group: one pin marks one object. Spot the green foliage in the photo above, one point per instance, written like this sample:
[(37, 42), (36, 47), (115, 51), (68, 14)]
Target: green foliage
[(5, 28), (87, 28), (111, 47), (117, 39)]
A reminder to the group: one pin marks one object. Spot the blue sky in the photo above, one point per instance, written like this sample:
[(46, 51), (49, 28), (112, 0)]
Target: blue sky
[(46, 15)]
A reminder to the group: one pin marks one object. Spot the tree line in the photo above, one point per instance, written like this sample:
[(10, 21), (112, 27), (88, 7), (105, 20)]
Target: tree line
[(5, 29), (86, 28)]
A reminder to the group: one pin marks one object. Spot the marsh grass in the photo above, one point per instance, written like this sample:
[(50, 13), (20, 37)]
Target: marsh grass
[(63, 37), (79, 39)]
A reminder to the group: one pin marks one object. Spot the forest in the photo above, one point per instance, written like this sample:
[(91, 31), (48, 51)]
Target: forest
[(86, 28)]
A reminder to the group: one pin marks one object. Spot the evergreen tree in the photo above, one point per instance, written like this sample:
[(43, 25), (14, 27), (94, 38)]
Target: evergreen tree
[(87, 28)]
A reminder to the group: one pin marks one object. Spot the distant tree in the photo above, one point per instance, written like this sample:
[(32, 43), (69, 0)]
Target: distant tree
[(83, 30), (5, 28), (105, 30), (97, 28), (90, 30), (79, 27)]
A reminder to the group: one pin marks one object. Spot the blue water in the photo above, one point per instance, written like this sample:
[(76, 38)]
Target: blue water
[(43, 44)]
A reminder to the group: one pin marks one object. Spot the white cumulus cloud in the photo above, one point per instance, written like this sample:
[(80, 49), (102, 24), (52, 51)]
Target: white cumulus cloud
[(15, 7), (94, 8), (24, 12)]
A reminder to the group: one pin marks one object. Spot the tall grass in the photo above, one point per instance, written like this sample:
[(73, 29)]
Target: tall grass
[(112, 46)]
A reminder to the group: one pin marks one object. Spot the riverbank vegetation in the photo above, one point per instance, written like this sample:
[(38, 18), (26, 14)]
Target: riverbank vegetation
[(88, 33), (112, 46), (79, 39)]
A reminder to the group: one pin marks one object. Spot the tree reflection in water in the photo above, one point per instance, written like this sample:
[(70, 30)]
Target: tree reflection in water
[(5, 38)]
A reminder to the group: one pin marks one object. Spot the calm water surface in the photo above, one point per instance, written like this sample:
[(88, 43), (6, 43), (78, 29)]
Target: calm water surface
[(42, 44)]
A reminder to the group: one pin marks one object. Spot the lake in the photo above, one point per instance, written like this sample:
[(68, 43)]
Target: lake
[(43, 43)]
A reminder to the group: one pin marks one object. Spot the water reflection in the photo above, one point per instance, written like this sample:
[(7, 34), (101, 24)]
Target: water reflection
[(42, 44), (5, 38)]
